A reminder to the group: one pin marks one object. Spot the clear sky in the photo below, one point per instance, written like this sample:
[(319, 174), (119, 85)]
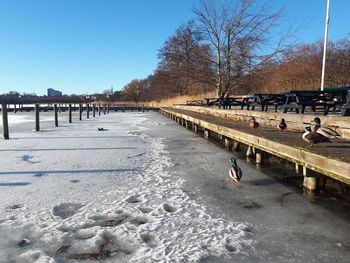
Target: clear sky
[(86, 46)]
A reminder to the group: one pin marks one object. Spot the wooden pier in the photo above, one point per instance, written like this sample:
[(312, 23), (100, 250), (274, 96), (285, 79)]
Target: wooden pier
[(331, 159), (56, 108), (75, 107)]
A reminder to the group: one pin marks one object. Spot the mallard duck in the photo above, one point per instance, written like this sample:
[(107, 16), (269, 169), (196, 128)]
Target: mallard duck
[(235, 172), (313, 137), (253, 124), (282, 126), (327, 132)]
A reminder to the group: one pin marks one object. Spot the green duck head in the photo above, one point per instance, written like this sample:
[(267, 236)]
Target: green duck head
[(233, 161), (317, 120)]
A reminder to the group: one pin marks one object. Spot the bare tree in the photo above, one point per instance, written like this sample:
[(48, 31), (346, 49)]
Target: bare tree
[(300, 68), (338, 59), (238, 34), (133, 90), (185, 60)]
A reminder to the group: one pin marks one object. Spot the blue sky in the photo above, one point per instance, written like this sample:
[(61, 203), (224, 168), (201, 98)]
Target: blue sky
[(86, 46)]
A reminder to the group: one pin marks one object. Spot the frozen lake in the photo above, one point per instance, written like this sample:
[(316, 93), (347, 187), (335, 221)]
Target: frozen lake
[(147, 190)]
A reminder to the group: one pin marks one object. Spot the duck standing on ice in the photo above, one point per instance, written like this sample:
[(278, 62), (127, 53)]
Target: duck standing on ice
[(235, 172)]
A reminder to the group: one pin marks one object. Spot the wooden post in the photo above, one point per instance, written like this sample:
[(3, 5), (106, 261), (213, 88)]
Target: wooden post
[(104, 109), (56, 115), (143, 107), (297, 168), (70, 112), (107, 108), (258, 158), (80, 111), (195, 128), (37, 124), (310, 183), (87, 111), (235, 146), (304, 171), (93, 110), (249, 152), (5, 123), (15, 110), (186, 124), (227, 143), (99, 109)]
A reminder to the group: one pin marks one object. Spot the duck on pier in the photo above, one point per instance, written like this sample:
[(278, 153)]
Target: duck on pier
[(327, 132), (253, 123), (235, 172), (313, 137), (282, 126)]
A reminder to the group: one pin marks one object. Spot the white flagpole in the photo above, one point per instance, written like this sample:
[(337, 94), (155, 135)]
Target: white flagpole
[(325, 47)]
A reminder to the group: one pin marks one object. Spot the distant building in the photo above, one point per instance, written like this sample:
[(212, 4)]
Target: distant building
[(52, 92)]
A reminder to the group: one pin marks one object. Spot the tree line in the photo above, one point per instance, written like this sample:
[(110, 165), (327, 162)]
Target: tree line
[(237, 49)]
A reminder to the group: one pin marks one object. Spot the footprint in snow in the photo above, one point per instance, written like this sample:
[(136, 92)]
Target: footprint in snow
[(74, 181), (145, 210), (39, 175), (169, 208), (137, 221), (149, 240), (17, 206), (66, 210), (133, 200), (108, 221), (230, 248)]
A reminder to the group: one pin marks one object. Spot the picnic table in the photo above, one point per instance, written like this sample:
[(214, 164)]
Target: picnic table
[(195, 102), (330, 98), (229, 101), (345, 108), (265, 100), (337, 99), (249, 101)]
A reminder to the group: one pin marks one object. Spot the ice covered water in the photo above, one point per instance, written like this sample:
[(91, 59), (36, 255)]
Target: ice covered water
[(74, 192)]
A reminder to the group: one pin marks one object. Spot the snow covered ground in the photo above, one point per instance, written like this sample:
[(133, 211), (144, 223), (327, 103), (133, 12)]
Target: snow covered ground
[(73, 192)]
